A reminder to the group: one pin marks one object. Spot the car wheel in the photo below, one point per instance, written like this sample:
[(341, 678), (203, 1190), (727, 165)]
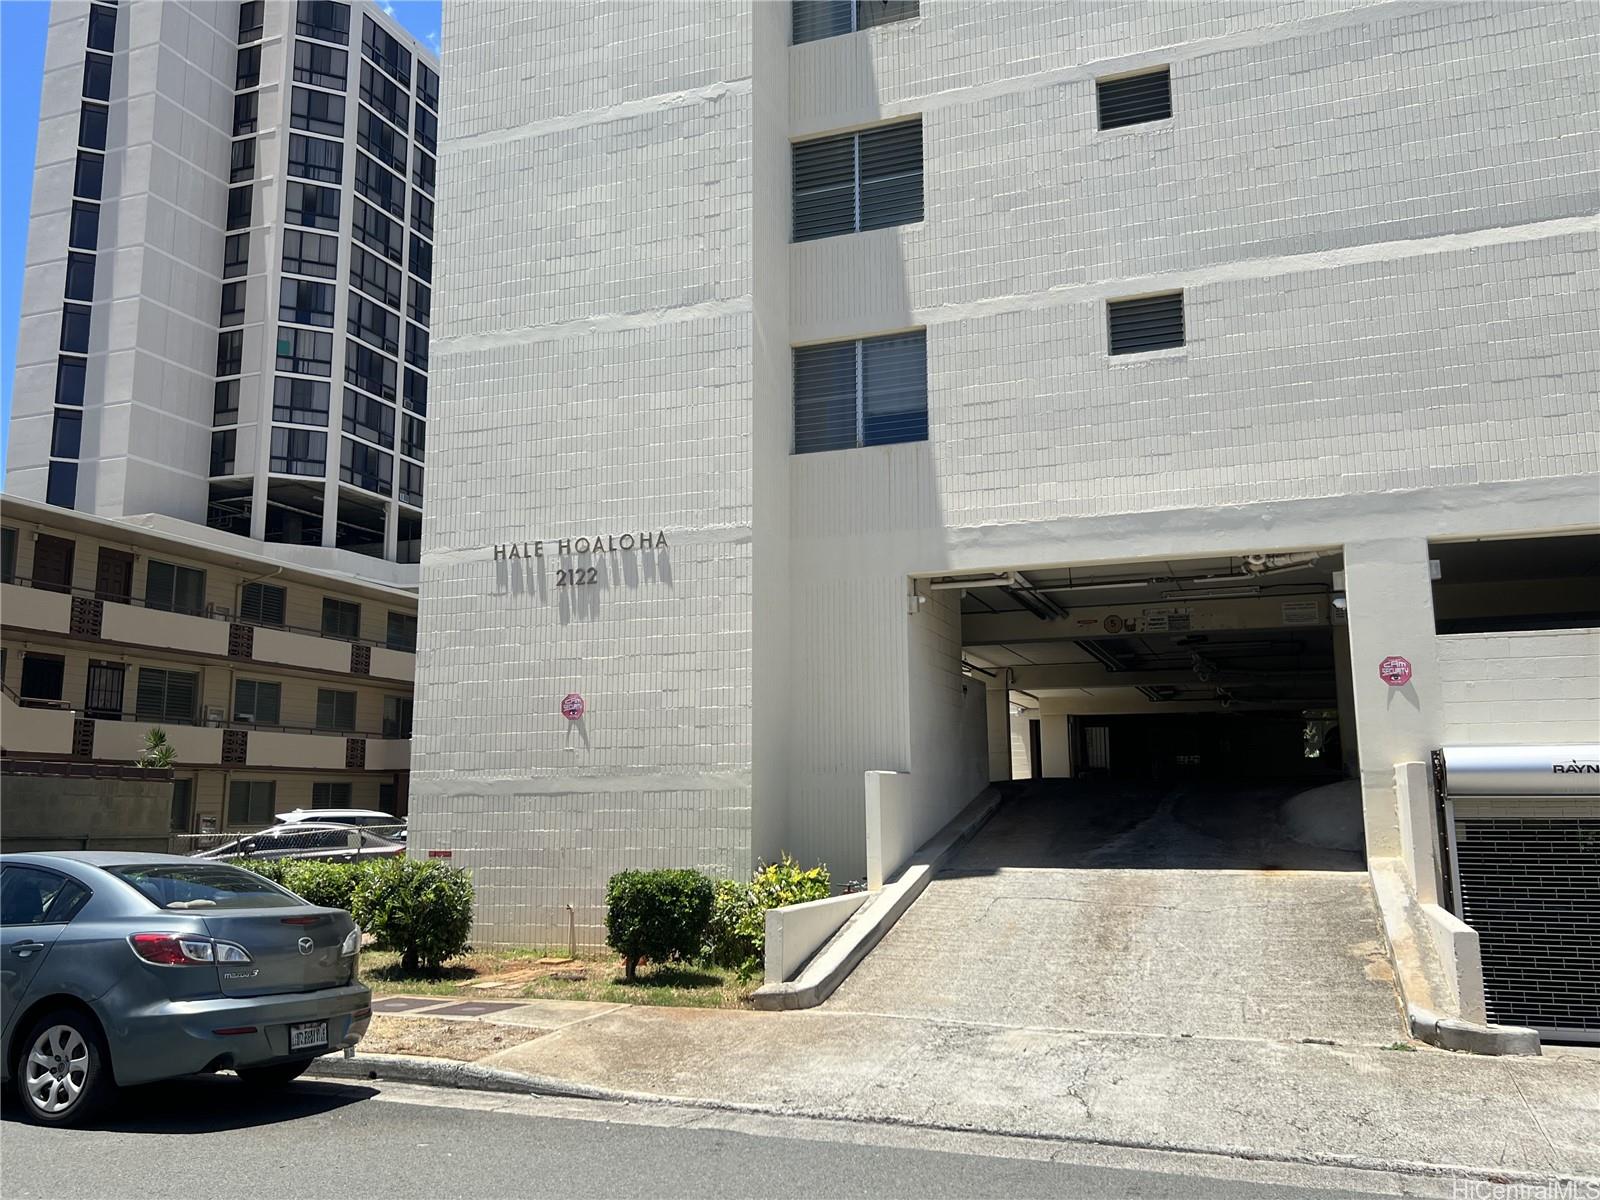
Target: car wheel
[(276, 1076), (64, 1073)]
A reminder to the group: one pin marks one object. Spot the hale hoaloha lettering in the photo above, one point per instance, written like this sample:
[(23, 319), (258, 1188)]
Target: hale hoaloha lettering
[(601, 544)]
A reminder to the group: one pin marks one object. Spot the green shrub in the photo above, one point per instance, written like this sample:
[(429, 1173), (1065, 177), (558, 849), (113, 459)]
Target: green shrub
[(659, 916), (328, 884), (420, 908), (738, 926), (267, 868)]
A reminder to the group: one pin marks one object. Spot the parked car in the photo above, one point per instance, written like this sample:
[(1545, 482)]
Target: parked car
[(385, 824), (124, 968), (307, 839)]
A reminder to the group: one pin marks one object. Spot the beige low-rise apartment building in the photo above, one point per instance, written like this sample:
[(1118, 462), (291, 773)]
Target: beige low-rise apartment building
[(279, 686)]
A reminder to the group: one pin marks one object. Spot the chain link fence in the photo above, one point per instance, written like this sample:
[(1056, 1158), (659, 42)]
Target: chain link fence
[(298, 840)]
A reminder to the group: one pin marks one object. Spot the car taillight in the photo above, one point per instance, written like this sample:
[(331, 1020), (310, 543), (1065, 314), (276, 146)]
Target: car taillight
[(185, 949), (351, 944)]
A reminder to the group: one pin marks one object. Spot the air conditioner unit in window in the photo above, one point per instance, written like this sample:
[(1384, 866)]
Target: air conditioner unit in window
[(214, 716)]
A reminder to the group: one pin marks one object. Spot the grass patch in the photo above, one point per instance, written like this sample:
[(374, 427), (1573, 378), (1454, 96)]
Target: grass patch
[(518, 975), (1406, 1046)]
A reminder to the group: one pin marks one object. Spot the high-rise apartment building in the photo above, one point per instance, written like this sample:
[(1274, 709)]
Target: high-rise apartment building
[(1136, 392), (228, 292)]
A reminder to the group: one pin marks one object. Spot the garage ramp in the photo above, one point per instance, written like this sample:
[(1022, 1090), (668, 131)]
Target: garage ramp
[(1201, 909)]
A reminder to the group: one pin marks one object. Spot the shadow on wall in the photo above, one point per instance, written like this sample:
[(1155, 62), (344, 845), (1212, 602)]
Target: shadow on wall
[(578, 581)]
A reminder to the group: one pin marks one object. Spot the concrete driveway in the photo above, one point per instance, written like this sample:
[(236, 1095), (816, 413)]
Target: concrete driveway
[(1188, 910)]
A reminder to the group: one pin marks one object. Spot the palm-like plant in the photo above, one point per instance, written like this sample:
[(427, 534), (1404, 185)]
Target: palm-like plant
[(158, 753)]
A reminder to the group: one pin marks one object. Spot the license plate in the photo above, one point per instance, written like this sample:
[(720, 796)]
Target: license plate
[(304, 1037)]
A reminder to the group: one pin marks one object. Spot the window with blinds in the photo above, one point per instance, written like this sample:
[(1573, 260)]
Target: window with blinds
[(1148, 323), (1134, 99), (167, 696), (813, 20), (257, 702), (336, 710), (172, 588), (251, 802), (263, 602), (330, 795), (871, 392), (856, 181)]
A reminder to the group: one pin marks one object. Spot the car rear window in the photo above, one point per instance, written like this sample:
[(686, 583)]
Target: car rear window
[(204, 886)]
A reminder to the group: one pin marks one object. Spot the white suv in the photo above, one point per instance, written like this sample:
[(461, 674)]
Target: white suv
[(389, 825)]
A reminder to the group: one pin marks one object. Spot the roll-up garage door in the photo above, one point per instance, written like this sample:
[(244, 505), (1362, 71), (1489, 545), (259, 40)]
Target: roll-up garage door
[(1523, 825)]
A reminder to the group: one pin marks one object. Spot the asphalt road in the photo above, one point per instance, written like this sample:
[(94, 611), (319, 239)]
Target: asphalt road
[(207, 1138)]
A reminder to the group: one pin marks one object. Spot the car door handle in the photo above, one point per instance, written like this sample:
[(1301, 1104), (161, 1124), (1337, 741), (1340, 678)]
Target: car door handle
[(24, 949)]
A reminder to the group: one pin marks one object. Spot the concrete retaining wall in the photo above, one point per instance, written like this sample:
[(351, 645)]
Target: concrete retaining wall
[(54, 813), (797, 931)]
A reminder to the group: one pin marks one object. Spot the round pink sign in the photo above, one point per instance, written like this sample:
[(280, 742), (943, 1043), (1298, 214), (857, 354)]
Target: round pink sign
[(572, 706), (1395, 671)]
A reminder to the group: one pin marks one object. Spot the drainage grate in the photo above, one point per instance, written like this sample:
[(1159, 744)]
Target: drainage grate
[(1531, 888)]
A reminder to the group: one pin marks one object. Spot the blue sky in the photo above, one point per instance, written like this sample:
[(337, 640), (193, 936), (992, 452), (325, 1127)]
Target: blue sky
[(23, 24)]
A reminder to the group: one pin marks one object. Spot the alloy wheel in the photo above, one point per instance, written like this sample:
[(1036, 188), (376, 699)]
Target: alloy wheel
[(57, 1069)]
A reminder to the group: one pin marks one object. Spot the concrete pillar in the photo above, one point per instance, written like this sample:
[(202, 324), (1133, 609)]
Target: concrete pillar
[(1390, 605), (998, 695), (1055, 746), (1344, 686)]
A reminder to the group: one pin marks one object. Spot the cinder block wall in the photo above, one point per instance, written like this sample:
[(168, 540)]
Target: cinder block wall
[(1533, 688)]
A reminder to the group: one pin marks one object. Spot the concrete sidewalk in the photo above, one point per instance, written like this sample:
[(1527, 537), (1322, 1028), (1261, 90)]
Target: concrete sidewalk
[(1357, 1105)]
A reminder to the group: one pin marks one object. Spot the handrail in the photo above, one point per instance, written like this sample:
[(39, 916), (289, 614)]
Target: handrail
[(212, 613)]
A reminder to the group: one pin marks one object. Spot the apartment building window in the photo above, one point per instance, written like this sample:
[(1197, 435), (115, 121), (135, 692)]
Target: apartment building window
[(325, 19), (397, 716), (366, 467), (300, 401), (239, 206), (402, 632), (861, 393), (172, 588), (80, 277), (232, 304), (102, 28), (384, 50), (384, 95), (379, 140), (341, 618), (419, 302), (251, 14), (248, 72), (813, 20), (225, 402), (251, 802), (422, 214), (97, 76), (411, 437), (428, 86), (367, 369), (311, 205), (263, 603), (61, 484), (230, 352), (224, 447), (330, 795), (66, 433), (71, 374), (102, 698), (306, 302), (167, 696), (257, 702), (8, 558), (92, 126), (42, 676), (1134, 99), (379, 186), (416, 392), (857, 181), (310, 253), (421, 259), (316, 112), (236, 255), (244, 113), (369, 418), (304, 351), (1145, 323), (370, 274), (315, 158), (425, 128), (87, 174), (417, 347), (377, 231), (320, 66), (422, 170), (75, 328), (84, 231), (410, 483), (242, 161), (336, 710), (298, 452), (182, 812), (373, 324)]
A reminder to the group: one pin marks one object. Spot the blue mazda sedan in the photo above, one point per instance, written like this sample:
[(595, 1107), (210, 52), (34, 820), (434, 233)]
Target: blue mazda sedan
[(126, 968)]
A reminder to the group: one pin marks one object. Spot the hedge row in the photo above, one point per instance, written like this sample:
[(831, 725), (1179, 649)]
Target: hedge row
[(676, 916), (420, 908)]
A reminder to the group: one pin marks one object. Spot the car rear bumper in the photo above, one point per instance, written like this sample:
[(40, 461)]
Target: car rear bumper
[(181, 1037)]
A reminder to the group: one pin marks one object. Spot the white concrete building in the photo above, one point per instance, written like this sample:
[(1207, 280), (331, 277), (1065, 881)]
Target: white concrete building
[(1027, 382), (228, 285)]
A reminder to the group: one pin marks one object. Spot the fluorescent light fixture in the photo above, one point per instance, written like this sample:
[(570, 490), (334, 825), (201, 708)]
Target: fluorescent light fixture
[(992, 579), (1228, 593)]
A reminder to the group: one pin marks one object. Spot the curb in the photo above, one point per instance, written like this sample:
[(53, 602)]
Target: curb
[(1452, 1033), (448, 1073)]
